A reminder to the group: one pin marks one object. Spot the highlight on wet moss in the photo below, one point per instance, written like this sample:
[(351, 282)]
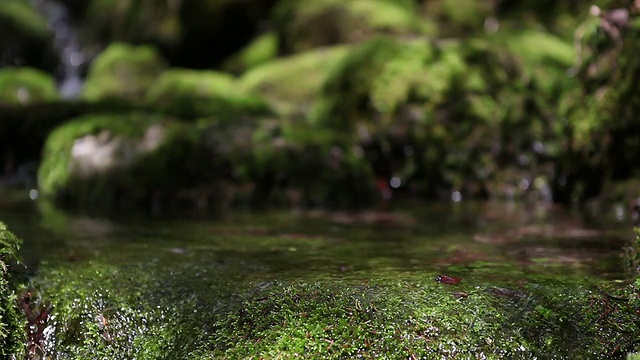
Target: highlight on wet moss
[(11, 325)]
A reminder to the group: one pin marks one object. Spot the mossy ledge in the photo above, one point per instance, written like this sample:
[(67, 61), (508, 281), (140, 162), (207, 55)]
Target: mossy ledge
[(225, 310)]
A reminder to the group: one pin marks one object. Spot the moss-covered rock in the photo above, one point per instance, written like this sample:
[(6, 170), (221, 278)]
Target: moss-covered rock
[(25, 86), (600, 114), (453, 116), (292, 84), (213, 310), (191, 93), (303, 25), (297, 164), (11, 325), (134, 158), (123, 71)]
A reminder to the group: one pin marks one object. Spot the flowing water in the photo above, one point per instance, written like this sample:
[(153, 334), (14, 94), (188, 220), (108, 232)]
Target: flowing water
[(67, 44), (465, 239)]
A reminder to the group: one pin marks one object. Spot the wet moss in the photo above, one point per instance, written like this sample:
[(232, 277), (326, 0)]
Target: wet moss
[(123, 71), (11, 325), (26, 86), (214, 311)]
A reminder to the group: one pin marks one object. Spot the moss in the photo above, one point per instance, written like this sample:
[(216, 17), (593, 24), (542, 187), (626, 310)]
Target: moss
[(11, 325), (123, 71), (142, 155), (303, 25), (190, 93), (300, 165), (600, 111), (24, 86), (215, 312), (291, 84), (19, 19), (262, 49)]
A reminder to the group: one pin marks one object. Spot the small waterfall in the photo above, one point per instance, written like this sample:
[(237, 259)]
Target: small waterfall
[(67, 44)]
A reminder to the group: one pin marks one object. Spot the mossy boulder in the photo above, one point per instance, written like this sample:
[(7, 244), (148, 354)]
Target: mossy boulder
[(26, 86), (133, 158), (11, 325), (203, 309), (305, 24), (600, 113), (192, 93), (123, 71), (452, 116), (291, 84), (300, 165)]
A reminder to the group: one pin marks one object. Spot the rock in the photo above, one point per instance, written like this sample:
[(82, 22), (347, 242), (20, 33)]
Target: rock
[(114, 160), (123, 71)]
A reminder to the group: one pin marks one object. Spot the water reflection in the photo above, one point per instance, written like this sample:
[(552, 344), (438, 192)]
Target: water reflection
[(464, 239)]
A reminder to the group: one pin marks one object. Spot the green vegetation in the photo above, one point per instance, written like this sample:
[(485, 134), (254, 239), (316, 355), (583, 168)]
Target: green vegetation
[(110, 158), (203, 309), (191, 94), (11, 325), (123, 71), (305, 24), (291, 84), (25, 86)]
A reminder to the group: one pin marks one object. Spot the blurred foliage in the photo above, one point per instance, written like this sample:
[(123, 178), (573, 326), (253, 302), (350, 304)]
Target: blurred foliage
[(26, 86), (306, 24), (123, 71)]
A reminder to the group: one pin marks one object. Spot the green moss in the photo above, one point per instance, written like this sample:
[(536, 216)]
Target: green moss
[(377, 76), (303, 24), (103, 310), (141, 154), (23, 86), (190, 93), (19, 19), (123, 71), (291, 84), (11, 337), (262, 49)]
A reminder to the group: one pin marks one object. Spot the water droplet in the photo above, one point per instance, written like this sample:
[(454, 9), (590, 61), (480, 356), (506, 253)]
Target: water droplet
[(395, 182)]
